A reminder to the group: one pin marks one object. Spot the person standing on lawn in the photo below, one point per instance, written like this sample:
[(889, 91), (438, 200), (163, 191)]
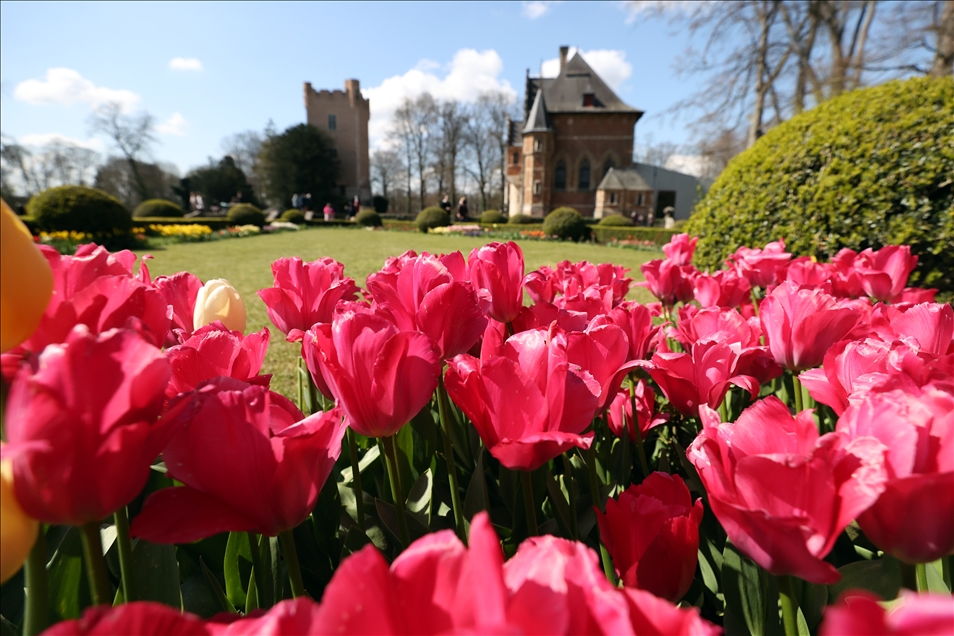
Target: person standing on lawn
[(462, 209), (329, 212)]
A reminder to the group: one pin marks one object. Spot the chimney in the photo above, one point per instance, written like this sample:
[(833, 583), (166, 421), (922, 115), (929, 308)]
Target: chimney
[(563, 53), (307, 93), (353, 88)]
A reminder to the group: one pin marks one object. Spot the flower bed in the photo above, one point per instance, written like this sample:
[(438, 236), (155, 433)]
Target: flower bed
[(767, 446)]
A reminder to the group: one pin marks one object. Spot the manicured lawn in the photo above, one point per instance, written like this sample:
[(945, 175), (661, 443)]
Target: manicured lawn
[(246, 263)]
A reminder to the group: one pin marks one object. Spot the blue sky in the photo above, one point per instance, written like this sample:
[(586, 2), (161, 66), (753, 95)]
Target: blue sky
[(241, 64)]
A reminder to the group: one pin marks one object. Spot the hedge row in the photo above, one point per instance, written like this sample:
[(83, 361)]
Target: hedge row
[(657, 235)]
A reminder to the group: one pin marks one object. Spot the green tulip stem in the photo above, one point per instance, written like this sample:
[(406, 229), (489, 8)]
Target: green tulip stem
[(755, 303), (920, 571), (571, 489), (444, 409), (95, 564), (789, 605), (301, 389), (797, 390), (637, 434), (356, 477), (36, 615), (257, 567), (397, 489), (528, 503), (121, 519), (590, 460), (290, 552)]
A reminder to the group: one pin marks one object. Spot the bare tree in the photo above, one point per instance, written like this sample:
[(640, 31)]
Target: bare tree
[(448, 146), (943, 63), (244, 148), (131, 134), (386, 167), (484, 142), (847, 23), (717, 151), (654, 154), (412, 128)]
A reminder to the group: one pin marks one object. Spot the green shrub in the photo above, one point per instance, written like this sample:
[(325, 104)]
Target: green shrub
[(524, 219), (615, 220), (566, 224), (81, 209), (368, 218), (380, 204), (246, 214), (157, 207), (659, 236), (432, 217), (492, 216), (294, 216), (869, 168)]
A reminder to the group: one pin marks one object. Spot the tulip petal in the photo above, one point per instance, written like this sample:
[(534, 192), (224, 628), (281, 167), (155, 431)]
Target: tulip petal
[(183, 515)]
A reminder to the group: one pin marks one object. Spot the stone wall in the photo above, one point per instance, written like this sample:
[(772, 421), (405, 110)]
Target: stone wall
[(351, 113)]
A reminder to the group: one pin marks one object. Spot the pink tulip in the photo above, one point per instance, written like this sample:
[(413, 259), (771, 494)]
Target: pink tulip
[(927, 327), (715, 324), (851, 368), (680, 249), (81, 425), (602, 351), (762, 267), (652, 533), (845, 280), (801, 324), (214, 351), (650, 615), (420, 294), (636, 321), (808, 273), (884, 273), (914, 518), (527, 402), (782, 493), (541, 314), (646, 416), (496, 272), (305, 294), (380, 376), (293, 616), (179, 291), (916, 295), (860, 612), (143, 618), (724, 288), (667, 281), (249, 459)]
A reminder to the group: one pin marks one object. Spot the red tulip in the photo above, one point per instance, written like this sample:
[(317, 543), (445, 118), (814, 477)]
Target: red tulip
[(680, 249), (294, 616), (305, 294), (667, 281), (652, 533), (762, 267), (528, 402), (884, 273), (724, 288), (541, 315), (496, 272), (928, 327), (715, 324), (380, 376), (179, 291), (916, 295), (637, 321), (782, 493), (913, 519), (214, 351), (421, 294), (646, 416), (801, 324), (602, 350), (249, 461), (650, 615), (81, 425), (808, 273), (580, 287), (142, 618), (859, 612)]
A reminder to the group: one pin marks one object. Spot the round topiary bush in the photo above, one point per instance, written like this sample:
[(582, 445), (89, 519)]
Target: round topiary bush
[(368, 218), (566, 224), (293, 216), (615, 220), (869, 168), (157, 208), (380, 204), (80, 209), (246, 214), (492, 216), (523, 219), (432, 217)]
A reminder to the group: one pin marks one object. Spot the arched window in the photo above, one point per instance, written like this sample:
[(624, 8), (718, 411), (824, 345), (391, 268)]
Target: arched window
[(608, 165), (584, 180), (559, 176)]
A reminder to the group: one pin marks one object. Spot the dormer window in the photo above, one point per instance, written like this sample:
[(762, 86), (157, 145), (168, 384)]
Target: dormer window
[(588, 99)]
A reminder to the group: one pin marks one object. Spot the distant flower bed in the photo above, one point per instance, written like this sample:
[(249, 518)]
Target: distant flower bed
[(459, 230), (633, 244), (281, 226)]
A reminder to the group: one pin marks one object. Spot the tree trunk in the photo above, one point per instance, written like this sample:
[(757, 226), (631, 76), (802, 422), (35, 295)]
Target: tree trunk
[(943, 65), (140, 184), (755, 121)]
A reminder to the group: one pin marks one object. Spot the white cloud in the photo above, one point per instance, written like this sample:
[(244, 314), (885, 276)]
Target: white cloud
[(185, 64), (38, 140), (468, 75), (611, 65), (696, 165), (66, 86), (175, 126), (537, 8)]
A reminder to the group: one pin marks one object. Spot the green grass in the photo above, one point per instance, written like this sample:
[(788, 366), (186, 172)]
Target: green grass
[(246, 263)]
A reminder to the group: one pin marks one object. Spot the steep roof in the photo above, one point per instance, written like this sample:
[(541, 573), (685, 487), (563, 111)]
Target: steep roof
[(623, 179), (537, 119), (564, 93)]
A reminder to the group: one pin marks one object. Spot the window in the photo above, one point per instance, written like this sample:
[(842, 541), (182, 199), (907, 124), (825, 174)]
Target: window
[(516, 158), (537, 145), (536, 187), (612, 198), (332, 122), (584, 180), (608, 165), (559, 176), (588, 99), (639, 199)]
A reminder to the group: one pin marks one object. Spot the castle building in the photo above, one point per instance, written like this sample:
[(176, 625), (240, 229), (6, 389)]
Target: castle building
[(344, 116), (574, 131)]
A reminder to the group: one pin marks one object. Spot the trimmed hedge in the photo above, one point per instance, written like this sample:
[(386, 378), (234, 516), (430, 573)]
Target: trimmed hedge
[(368, 218), (657, 235), (157, 207), (524, 219), (869, 168), (246, 214), (432, 217), (492, 216), (567, 224), (380, 204), (293, 216), (79, 209), (615, 220)]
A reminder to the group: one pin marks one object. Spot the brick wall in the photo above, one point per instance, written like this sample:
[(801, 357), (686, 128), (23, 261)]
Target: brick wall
[(352, 112)]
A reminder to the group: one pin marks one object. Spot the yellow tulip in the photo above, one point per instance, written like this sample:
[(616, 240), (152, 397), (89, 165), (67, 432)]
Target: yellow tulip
[(18, 531), (26, 281), (218, 300)]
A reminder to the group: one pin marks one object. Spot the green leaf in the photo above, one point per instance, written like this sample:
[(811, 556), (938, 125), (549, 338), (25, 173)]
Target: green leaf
[(935, 578), (69, 592), (155, 573), (476, 498), (266, 595), (748, 593), (419, 497), (7, 628), (354, 541), (251, 599), (238, 561), (220, 596), (404, 449), (199, 598), (277, 576), (881, 576), (560, 505)]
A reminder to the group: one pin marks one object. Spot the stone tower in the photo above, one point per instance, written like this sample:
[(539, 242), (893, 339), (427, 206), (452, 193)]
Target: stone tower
[(344, 116), (537, 148)]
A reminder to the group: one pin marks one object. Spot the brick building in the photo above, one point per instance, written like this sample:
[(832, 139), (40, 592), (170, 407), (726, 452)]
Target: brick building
[(344, 116), (574, 131)]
